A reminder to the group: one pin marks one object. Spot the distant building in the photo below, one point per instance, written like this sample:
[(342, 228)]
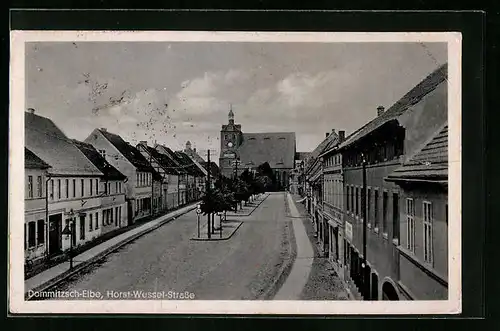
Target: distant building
[(297, 179), (111, 192), (385, 143), (72, 186), (254, 149), (423, 249), (169, 172), (141, 176), (35, 170), (198, 160)]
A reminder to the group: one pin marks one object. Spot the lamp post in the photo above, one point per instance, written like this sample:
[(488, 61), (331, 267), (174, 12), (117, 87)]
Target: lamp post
[(69, 230), (220, 223)]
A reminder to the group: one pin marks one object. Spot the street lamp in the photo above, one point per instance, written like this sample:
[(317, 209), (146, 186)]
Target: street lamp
[(69, 230), (220, 222)]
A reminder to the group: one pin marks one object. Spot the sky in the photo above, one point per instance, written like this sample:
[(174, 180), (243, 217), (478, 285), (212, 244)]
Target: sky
[(171, 92)]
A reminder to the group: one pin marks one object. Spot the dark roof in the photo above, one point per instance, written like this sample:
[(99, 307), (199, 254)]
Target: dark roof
[(128, 151), (195, 156), (189, 165), (327, 143), (175, 159), (100, 162), (276, 148), (165, 162), (214, 168), (31, 161), (49, 143), (430, 163), (414, 96), (302, 155)]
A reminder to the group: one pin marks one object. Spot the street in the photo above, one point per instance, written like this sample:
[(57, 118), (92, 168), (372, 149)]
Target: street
[(251, 265)]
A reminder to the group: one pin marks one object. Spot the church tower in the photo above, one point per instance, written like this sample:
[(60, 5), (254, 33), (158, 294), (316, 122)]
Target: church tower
[(231, 138)]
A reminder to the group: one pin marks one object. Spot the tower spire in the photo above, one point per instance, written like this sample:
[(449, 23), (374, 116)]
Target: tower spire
[(231, 114)]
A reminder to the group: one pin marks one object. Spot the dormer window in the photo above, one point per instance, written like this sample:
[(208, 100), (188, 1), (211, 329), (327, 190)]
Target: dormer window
[(103, 153), (266, 138)]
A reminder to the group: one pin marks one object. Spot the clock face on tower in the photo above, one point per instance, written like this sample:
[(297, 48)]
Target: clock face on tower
[(230, 144)]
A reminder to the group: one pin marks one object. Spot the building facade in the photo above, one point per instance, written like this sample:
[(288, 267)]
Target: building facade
[(423, 249), (240, 151), (35, 206), (383, 145), (130, 162), (71, 185), (112, 213)]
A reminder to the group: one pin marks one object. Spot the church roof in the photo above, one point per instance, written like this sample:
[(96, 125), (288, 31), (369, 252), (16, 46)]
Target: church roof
[(276, 148)]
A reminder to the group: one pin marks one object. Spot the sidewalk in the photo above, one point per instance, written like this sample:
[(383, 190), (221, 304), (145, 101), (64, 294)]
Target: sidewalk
[(249, 209), (58, 273)]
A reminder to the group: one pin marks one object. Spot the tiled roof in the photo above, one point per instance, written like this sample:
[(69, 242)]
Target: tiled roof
[(50, 144), (195, 156), (31, 161), (430, 163), (214, 171), (165, 162), (276, 148), (93, 155), (174, 158), (189, 165), (414, 96), (128, 151)]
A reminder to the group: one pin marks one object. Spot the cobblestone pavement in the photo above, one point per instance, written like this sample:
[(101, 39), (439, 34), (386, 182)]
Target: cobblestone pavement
[(250, 265), (323, 283)]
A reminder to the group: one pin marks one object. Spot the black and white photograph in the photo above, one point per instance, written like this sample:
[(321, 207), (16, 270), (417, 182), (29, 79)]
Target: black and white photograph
[(235, 172)]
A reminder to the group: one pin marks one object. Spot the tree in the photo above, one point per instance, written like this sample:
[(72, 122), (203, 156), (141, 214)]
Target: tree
[(264, 170)]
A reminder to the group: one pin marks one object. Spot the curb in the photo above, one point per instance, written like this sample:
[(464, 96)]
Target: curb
[(58, 279), (218, 239), (245, 215)]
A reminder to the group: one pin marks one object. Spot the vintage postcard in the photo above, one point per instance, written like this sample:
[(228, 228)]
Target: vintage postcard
[(235, 173)]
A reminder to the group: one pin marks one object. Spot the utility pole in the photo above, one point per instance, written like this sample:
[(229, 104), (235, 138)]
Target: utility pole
[(208, 195), (363, 204)]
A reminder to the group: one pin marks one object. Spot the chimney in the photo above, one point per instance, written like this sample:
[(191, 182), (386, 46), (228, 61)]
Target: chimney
[(341, 136), (380, 110), (31, 110), (333, 131), (327, 134), (194, 149), (104, 129), (143, 142)]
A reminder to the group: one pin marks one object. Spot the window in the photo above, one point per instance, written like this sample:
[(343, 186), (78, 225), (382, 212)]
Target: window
[(410, 224), (395, 216), (82, 183), (348, 199), (96, 187), (109, 188), (103, 153), (39, 188), (66, 182), (74, 188), (59, 189), (91, 186), (31, 234), (428, 253), (137, 179), (120, 187), (375, 210), (104, 213), (116, 187), (110, 219), (385, 198), (357, 201), (96, 221), (90, 222), (368, 205), (116, 216), (51, 189), (40, 224), (30, 186)]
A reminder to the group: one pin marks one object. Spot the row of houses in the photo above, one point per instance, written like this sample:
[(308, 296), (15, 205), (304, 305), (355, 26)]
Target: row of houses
[(98, 185), (397, 166)]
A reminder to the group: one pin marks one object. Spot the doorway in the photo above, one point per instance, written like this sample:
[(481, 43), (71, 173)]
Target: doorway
[(389, 292), (55, 238), (374, 291)]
